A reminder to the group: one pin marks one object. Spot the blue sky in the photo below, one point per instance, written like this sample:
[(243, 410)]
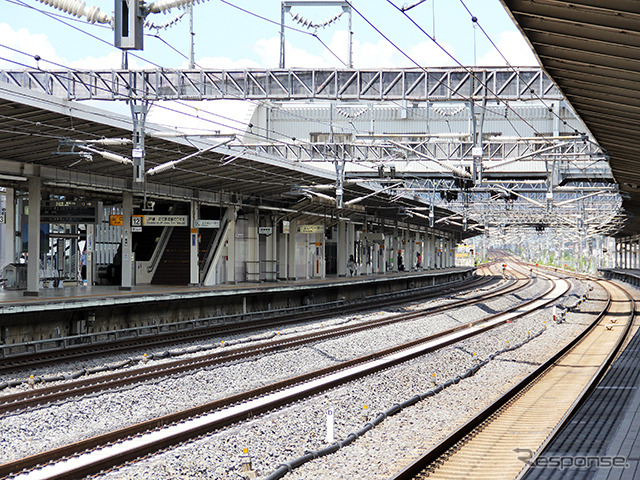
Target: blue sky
[(229, 38)]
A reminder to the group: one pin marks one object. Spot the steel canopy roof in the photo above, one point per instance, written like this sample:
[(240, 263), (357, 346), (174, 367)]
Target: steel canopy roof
[(591, 50), (32, 125)]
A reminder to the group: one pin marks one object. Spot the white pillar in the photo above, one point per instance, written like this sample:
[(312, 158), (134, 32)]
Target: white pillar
[(323, 257), (351, 239), (253, 249), (9, 236), (283, 258), (231, 247), (270, 253), (627, 262), (127, 209), (194, 267), (33, 267), (395, 246), (89, 250), (409, 261), (342, 249), (291, 257)]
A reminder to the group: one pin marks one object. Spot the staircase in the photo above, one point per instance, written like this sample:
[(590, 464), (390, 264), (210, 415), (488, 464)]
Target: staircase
[(173, 268)]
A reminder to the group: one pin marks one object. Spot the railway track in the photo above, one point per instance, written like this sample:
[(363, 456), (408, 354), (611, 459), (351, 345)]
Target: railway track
[(506, 437), (99, 453), (44, 395), (83, 351)]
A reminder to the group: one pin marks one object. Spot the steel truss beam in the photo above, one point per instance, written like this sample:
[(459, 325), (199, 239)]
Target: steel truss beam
[(416, 85), (494, 150), (583, 207)]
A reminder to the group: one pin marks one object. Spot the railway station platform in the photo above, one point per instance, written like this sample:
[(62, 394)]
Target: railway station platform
[(626, 275), (601, 441), (60, 312)]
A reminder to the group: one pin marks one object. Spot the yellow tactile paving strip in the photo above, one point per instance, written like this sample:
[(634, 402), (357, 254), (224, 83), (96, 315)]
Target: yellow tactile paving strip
[(527, 422)]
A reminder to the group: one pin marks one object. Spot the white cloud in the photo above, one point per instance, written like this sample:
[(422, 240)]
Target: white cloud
[(224, 63), (268, 49), (112, 60), (38, 44), (514, 47), (365, 54), (31, 44)]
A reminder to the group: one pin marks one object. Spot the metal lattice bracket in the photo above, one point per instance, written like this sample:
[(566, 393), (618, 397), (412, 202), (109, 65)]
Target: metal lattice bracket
[(437, 84)]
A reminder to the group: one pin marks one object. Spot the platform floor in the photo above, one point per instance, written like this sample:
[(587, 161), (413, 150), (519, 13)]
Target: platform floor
[(601, 441), (15, 301)]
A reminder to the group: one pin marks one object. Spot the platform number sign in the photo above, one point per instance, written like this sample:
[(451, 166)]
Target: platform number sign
[(3, 216), (136, 223)]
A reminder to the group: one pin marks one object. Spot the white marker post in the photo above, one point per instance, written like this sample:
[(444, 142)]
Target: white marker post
[(329, 438)]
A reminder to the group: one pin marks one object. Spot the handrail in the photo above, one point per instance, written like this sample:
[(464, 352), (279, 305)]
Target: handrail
[(214, 245), (160, 248)]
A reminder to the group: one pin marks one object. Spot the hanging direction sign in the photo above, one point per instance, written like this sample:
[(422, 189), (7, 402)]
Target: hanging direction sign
[(165, 220), (117, 221), (70, 211), (206, 223), (310, 229)]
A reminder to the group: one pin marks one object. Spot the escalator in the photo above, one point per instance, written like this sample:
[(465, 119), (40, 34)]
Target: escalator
[(173, 267)]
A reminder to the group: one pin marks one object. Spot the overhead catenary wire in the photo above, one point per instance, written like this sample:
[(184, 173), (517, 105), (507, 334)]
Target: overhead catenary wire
[(470, 72), (302, 32), (495, 46), (53, 16)]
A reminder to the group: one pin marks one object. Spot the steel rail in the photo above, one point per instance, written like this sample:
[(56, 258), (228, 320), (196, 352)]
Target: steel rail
[(86, 386), (421, 465), (244, 405), (45, 358)]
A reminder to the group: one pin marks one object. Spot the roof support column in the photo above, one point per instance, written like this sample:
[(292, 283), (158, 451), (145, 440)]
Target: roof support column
[(33, 264), (231, 246), (283, 244), (343, 245), (271, 253), (411, 254), (127, 209), (9, 234), (395, 247), (291, 254), (253, 249), (89, 249), (194, 267)]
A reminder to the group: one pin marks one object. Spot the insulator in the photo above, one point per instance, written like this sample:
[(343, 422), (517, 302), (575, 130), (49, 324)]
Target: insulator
[(165, 5), (78, 9)]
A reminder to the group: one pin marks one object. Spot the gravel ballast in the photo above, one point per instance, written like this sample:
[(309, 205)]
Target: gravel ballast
[(284, 435)]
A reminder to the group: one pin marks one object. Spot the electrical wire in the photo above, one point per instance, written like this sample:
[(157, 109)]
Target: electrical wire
[(218, 123), (444, 50), (470, 72), (259, 172), (314, 35), (284, 135), (495, 46), (476, 22)]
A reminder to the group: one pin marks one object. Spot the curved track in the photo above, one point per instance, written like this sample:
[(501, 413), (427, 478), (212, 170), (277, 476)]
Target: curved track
[(120, 446), (43, 395), (497, 443), (81, 351)]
